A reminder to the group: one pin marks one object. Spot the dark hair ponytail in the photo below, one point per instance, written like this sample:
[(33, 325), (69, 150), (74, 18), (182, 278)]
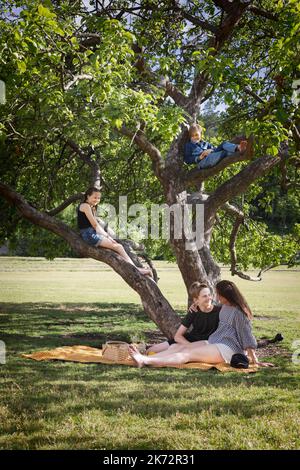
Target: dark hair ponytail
[(230, 292)]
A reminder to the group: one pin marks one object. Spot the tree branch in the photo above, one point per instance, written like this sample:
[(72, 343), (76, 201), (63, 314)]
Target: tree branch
[(140, 140), (197, 22), (233, 210), (254, 95), (86, 158), (64, 204), (225, 5), (241, 181), (235, 11), (76, 79), (179, 98), (155, 304), (233, 265), (197, 175), (171, 90), (265, 14)]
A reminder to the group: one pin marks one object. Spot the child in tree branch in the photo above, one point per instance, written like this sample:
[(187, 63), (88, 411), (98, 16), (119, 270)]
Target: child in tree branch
[(92, 232), (204, 153)]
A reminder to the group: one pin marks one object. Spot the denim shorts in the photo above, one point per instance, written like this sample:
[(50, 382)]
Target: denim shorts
[(90, 236)]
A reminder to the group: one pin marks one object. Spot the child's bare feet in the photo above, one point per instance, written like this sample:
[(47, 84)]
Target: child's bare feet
[(247, 146), (243, 146), (146, 272), (136, 356)]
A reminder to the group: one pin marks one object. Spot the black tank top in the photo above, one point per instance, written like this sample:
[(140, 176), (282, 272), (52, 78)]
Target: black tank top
[(82, 220)]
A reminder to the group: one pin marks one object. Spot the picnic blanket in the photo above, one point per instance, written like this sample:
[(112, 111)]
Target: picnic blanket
[(86, 354)]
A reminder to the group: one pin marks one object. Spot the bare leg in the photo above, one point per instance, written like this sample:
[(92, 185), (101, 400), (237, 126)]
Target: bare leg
[(113, 245), (204, 353), (170, 350), (159, 347), (176, 347)]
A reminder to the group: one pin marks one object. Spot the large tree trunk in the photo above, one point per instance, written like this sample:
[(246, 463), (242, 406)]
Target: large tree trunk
[(195, 263)]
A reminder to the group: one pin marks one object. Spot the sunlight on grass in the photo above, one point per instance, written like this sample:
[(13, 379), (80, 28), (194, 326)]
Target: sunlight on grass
[(57, 405)]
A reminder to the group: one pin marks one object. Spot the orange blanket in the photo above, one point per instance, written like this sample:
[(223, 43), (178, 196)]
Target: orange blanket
[(87, 354)]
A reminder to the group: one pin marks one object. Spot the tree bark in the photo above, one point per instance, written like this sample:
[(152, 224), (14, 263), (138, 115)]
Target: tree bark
[(155, 304)]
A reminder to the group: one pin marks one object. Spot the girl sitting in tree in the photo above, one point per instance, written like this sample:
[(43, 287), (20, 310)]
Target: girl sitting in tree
[(93, 234)]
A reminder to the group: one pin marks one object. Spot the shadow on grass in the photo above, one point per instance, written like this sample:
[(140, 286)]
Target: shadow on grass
[(42, 397), (70, 389), (70, 312), (64, 388), (46, 325)]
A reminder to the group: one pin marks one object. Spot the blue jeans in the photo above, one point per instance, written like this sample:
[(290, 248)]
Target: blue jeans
[(224, 150)]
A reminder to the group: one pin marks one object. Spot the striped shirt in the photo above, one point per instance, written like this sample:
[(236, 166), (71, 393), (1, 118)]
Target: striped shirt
[(234, 330)]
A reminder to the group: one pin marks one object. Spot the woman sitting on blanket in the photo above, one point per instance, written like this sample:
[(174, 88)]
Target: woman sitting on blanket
[(233, 336)]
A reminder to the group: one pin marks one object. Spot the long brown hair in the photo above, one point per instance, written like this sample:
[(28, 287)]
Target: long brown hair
[(230, 292), (88, 193)]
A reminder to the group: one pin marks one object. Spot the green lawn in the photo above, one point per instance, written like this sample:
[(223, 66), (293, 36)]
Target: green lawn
[(56, 405)]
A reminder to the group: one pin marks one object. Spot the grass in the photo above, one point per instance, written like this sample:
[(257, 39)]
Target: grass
[(57, 405)]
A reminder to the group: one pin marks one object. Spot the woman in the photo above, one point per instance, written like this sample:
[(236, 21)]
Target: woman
[(233, 335), (93, 234)]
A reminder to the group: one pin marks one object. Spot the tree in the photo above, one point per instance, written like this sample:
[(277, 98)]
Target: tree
[(84, 86)]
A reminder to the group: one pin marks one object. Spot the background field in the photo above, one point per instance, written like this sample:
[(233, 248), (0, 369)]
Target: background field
[(55, 405)]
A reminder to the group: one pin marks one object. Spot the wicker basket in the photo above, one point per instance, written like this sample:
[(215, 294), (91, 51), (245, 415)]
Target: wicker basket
[(115, 351)]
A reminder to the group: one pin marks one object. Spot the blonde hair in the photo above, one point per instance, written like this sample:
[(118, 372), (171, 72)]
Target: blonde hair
[(195, 128), (196, 288)]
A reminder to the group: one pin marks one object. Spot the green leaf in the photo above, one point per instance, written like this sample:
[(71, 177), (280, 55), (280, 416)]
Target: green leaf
[(118, 123), (21, 66), (17, 35), (43, 11)]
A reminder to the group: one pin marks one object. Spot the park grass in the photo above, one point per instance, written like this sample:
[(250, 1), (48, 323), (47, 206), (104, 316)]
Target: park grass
[(61, 405)]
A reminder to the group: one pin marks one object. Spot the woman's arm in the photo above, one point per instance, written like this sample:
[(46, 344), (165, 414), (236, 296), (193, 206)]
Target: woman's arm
[(253, 358), (86, 208), (247, 339), (244, 330)]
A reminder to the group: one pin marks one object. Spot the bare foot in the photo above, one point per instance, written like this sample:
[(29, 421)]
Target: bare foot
[(247, 146), (243, 146), (136, 356), (145, 271)]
